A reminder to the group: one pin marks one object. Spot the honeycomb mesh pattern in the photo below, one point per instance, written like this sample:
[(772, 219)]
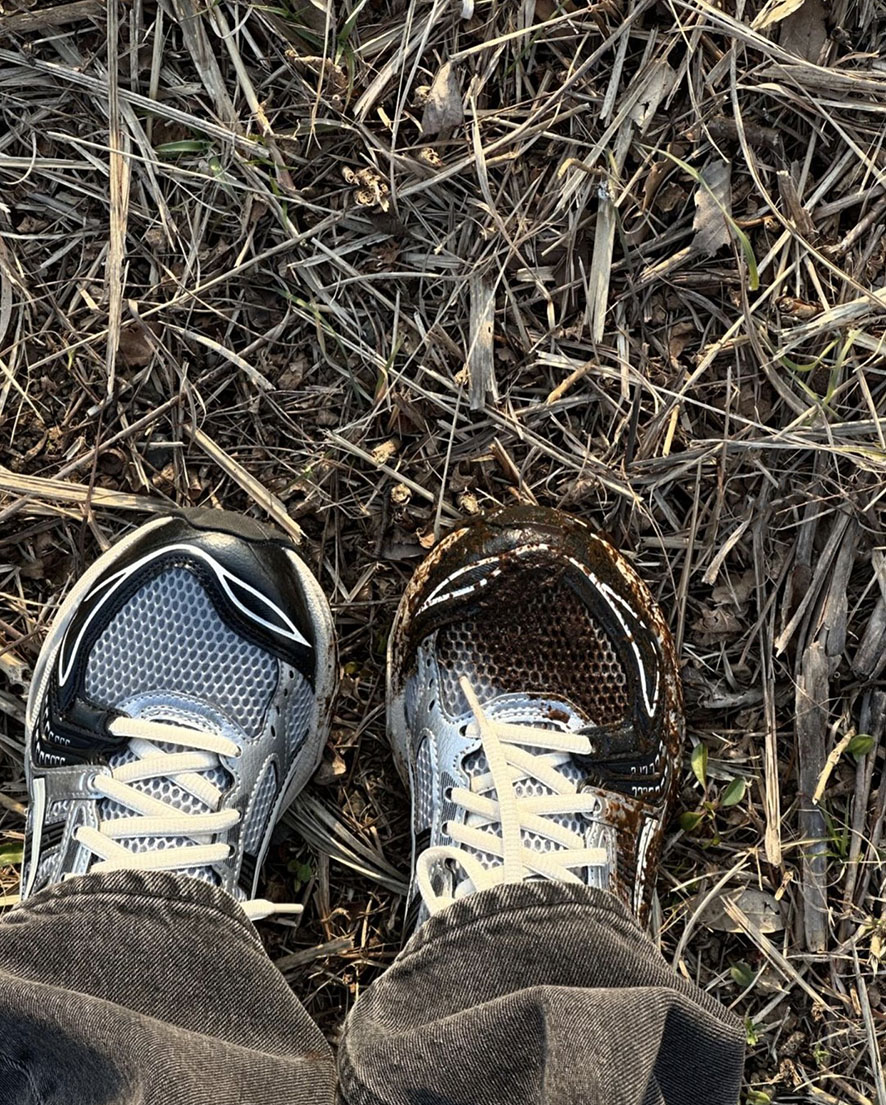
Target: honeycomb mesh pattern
[(298, 701), (261, 809), (424, 787), (534, 639), (169, 637)]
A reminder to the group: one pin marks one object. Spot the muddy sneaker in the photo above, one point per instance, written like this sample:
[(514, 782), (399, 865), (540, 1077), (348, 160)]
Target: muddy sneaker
[(179, 703), (534, 708)]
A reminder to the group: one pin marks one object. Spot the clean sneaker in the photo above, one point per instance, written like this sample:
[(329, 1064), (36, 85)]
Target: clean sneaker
[(535, 710), (180, 702)]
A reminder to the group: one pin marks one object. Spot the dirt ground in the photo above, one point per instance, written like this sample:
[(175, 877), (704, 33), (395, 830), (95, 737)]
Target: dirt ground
[(369, 267)]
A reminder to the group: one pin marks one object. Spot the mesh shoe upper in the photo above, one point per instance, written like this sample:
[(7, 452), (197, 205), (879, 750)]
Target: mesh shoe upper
[(179, 703), (534, 703), (565, 648)]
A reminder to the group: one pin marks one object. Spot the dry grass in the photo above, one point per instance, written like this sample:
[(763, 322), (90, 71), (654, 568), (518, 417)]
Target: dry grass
[(369, 268)]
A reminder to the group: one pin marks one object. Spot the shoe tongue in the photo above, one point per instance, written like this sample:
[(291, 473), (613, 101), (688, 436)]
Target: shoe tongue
[(554, 713)]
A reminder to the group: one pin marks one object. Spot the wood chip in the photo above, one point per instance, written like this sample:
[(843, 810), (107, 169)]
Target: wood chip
[(811, 717), (480, 358), (57, 16), (60, 491)]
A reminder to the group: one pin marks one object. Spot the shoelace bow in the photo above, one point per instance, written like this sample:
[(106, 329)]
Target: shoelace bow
[(505, 746), (155, 817)]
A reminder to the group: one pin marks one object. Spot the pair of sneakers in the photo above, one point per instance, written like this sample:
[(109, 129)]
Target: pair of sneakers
[(183, 695)]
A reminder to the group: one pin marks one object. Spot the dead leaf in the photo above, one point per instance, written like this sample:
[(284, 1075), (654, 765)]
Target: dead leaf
[(715, 624), (804, 32), (658, 85), (135, 348), (758, 906), (13, 667), (668, 197), (713, 202), (547, 9), (372, 189), (331, 770), (444, 106), (290, 379), (430, 157), (736, 591), (680, 336), (325, 69)]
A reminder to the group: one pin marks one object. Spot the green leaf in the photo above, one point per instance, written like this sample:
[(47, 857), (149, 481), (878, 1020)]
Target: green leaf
[(349, 24), (699, 762), (809, 366), (302, 872), (734, 793), (11, 854), (184, 145), (690, 820), (743, 974), (758, 1097), (861, 744)]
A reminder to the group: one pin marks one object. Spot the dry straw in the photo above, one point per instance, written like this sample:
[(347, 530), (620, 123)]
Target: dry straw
[(366, 269)]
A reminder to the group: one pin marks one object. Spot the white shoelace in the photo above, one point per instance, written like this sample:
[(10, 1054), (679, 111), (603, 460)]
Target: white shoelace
[(154, 817), (506, 747)]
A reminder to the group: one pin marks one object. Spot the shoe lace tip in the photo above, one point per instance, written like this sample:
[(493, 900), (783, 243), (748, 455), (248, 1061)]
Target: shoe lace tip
[(260, 909)]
